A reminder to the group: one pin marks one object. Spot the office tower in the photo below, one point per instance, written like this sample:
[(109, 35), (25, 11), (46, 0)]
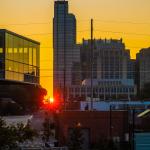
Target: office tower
[(143, 63), (110, 59), (112, 70), (132, 72), (19, 58), (66, 52)]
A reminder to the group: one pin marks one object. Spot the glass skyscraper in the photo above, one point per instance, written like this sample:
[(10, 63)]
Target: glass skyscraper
[(19, 58), (66, 51)]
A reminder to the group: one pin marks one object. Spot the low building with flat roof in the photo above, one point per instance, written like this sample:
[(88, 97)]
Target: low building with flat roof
[(104, 89), (19, 69)]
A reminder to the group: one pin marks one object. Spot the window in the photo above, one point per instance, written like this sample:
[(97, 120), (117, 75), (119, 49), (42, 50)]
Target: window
[(1, 61), (1, 65), (21, 55), (1, 50)]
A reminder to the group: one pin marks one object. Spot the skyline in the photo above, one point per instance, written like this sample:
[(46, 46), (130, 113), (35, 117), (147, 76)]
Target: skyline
[(134, 33)]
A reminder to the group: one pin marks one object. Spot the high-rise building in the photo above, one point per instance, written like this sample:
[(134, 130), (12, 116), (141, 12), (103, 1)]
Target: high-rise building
[(113, 70), (132, 71), (143, 63), (112, 67), (64, 25), (66, 52), (110, 59)]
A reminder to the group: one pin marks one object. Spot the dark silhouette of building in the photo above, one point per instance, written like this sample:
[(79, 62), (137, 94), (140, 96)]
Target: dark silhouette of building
[(66, 51), (20, 70), (111, 59), (113, 71), (143, 67), (95, 126)]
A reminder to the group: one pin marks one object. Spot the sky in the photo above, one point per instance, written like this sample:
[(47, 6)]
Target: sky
[(127, 19)]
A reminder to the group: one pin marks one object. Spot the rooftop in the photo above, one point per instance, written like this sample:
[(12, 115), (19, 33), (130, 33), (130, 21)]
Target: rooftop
[(18, 35)]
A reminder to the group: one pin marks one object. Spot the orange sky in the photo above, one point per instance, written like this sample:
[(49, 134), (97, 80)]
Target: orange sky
[(128, 19)]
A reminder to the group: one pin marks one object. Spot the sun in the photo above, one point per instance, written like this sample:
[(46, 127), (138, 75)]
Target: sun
[(51, 100)]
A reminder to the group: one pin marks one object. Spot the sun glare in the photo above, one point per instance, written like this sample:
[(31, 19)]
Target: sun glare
[(51, 100)]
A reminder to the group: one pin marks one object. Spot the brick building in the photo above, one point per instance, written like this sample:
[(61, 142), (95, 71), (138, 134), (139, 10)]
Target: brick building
[(95, 125)]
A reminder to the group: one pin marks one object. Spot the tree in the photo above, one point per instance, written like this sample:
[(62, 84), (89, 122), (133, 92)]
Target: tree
[(7, 136), (11, 135), (76, 140), (25, 132), (37, 96), (48, 126)]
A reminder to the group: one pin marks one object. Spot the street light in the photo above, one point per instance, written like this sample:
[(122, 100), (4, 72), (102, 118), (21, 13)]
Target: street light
[(78, 124)]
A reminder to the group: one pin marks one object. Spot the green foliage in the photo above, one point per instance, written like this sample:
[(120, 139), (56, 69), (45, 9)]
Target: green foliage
[(11, 135), (48, 127), (47, 132), (25, 132), (76, 140), (7, 137)]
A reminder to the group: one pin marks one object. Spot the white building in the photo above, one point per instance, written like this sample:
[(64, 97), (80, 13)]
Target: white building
[(104, 89)]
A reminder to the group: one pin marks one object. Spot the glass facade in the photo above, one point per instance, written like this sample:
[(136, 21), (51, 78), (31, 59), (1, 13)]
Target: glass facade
[(21, 58), (1, 55), (66, 52)]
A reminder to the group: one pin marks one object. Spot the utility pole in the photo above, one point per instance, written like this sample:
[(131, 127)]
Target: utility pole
[(133, 129), (92, 64), (110, 122), (64, 92)]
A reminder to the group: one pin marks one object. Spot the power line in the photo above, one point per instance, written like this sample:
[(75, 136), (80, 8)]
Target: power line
[(124, 22), (24, 24), (46, 47), (79, 21), (98, 71), (46, 76), (129, 33), (135, 47), (50, 33), (97, 30)]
